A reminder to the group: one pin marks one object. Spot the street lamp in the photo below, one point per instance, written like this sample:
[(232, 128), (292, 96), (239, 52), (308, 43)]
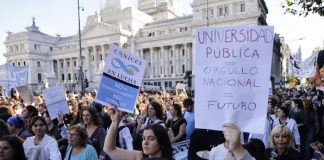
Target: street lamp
[(80, 52)]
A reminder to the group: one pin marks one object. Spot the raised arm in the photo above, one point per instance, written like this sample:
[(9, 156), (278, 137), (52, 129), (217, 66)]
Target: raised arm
[(233, 143), (110, 141)]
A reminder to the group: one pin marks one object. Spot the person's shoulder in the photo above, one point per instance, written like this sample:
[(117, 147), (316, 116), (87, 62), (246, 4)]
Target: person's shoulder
[(29, 139), (294, 153), (90, 147)]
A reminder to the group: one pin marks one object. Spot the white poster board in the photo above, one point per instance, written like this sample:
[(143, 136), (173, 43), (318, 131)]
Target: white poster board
[(122, 76), (180, 150), (232, 76), (26, 94), (55, 100)]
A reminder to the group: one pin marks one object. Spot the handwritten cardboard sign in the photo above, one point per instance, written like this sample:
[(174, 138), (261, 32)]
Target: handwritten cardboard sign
[(233, 67), (121, 78)]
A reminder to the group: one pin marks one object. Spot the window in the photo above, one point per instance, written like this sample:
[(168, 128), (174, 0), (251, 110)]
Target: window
[(68, 64), (38, 64), (18, 63), (62, 77), (100, 57), (75, 76), (226, 10), (39, 77), (62, 65), (171, 69), (220, 11), (183, 68), (22, 46), (13, 64), (35, 47), (51, 49), (24, 63), (242, 7), (69, 76), (74, 63), (183, 52), (223, 10)]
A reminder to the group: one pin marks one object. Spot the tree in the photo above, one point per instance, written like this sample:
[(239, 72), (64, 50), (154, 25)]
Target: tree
[(188, 76), (304, 7)]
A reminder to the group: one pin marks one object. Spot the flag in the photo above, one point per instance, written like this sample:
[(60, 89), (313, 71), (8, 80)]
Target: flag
[(308, 66), (298, 54), (294, 67)]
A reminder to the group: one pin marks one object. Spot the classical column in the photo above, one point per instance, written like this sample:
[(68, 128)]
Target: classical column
[(88, 63), (64, 69), (162, 60), (185, 56), (103, 52), (151, 61), (31, 70), (95, 60), (173, 59), (59, 76)]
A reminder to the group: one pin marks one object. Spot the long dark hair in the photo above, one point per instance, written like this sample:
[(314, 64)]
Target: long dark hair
[(163, 139), (158, 109), (177, 108), (16, 146), (94, 115)]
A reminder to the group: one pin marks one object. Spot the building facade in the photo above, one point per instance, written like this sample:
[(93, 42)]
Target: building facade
[(156, 30)]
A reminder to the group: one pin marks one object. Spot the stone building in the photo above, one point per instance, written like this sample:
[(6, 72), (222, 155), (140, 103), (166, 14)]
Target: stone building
[(156, 30)]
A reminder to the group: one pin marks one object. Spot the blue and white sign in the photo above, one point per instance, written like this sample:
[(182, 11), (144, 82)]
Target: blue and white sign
[(11, 77), (121, 78)]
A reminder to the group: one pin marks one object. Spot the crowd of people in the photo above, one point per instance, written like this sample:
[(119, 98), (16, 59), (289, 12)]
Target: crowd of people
[(293, 129)]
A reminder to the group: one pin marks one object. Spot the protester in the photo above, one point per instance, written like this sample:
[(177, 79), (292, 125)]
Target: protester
[(156, 143), (28, 113), (16, 125), (203, 140), (189, 116), (232, 149), (53, 129), (78, 148), (281, 145), (11, 149), (283, 119), (4, 130), (154, 115), (41, 146), (177, 124), (95, 132)]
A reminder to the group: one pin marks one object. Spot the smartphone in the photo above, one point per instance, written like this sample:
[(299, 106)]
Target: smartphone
[(274, 154)]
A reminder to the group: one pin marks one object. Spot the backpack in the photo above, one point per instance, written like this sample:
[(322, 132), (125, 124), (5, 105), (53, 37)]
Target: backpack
[(117, 137)]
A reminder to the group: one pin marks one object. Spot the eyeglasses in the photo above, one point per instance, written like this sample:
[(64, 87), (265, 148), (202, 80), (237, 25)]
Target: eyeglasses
[(72, 134)]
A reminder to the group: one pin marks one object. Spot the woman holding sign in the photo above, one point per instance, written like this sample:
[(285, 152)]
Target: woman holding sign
[(155, 143)]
